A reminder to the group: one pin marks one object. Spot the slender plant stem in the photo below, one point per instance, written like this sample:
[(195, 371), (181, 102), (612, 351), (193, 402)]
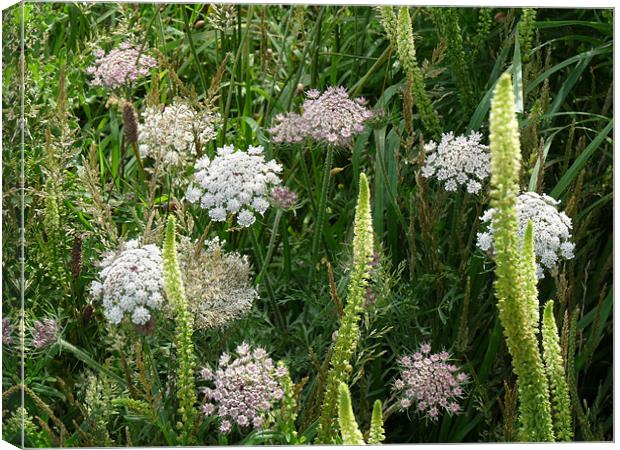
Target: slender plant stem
[(327, 167), (306, 175), (272, 298), (272, 244)]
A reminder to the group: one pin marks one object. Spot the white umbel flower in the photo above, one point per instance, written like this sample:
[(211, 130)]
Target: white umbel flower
[(131, 283), (235, 182), (169, 136), (458, 161), (552, 230)]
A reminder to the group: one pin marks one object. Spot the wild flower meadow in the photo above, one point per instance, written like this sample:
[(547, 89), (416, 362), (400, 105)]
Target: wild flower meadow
[(291, 225)]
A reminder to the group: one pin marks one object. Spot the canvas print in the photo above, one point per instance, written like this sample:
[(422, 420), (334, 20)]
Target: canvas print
[(246, 224)]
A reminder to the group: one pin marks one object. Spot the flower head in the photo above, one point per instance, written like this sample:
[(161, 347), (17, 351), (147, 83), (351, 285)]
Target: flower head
[(458, 161), (7, 331), (245, 390), (217, 283), (234, 182), (121, 67), (283, 197), (429, 380), (131, 283), (44, 333), (331, 117), (170, 135), (552, 230)]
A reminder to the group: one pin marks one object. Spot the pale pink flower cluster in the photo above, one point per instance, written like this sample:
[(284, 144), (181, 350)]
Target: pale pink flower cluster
[(44, 333), (283, 197), (431, 381), (121, 67), (245, 389), (7, 331), (331, 117)]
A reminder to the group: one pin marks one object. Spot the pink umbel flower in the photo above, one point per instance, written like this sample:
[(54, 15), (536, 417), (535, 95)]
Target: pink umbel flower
[(121, 67), (245, 389), (331, 117), (283, 197), (44, 333), (7, 331), (430, 381)]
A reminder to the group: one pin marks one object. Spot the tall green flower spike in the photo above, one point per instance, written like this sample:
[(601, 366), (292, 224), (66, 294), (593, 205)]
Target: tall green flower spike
[(554, 365), (528, 269), (351, 434), (389, 21), (376, 434), (514, 285), (175, 291), (402, 41), (348, 332)]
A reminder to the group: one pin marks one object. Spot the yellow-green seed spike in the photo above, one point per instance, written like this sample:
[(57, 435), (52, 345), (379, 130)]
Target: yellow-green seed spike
[(530, 279), (376, 434), (175, 291), (351, 434), (513, 281), (554, 365), (348, 332)]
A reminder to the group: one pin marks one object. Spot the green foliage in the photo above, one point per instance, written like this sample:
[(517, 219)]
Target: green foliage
[(449, 28), (515, 283), (348, 332), (554, 366), (428, 282)]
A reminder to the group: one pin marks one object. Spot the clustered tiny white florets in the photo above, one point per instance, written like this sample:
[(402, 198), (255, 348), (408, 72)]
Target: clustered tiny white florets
[(121, 67), (552, 230), (331, 117), (234, 182), (431, 381), (131, 283), (458, 161), (246, 389), (171, 135)]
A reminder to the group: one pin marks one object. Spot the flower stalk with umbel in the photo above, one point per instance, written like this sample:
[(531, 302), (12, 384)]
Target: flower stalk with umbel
[(175, 292), (515, 287), (348, 332), (554, 365)]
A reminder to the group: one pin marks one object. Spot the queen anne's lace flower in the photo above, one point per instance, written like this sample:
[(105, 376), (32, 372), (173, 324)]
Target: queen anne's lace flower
[(235, 182), (217, 283), (44, 333), (245, 389), (430, 381), (552, 230), (121, 67), (170, 135), (331, 117), (131, 283), (458, 161)]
